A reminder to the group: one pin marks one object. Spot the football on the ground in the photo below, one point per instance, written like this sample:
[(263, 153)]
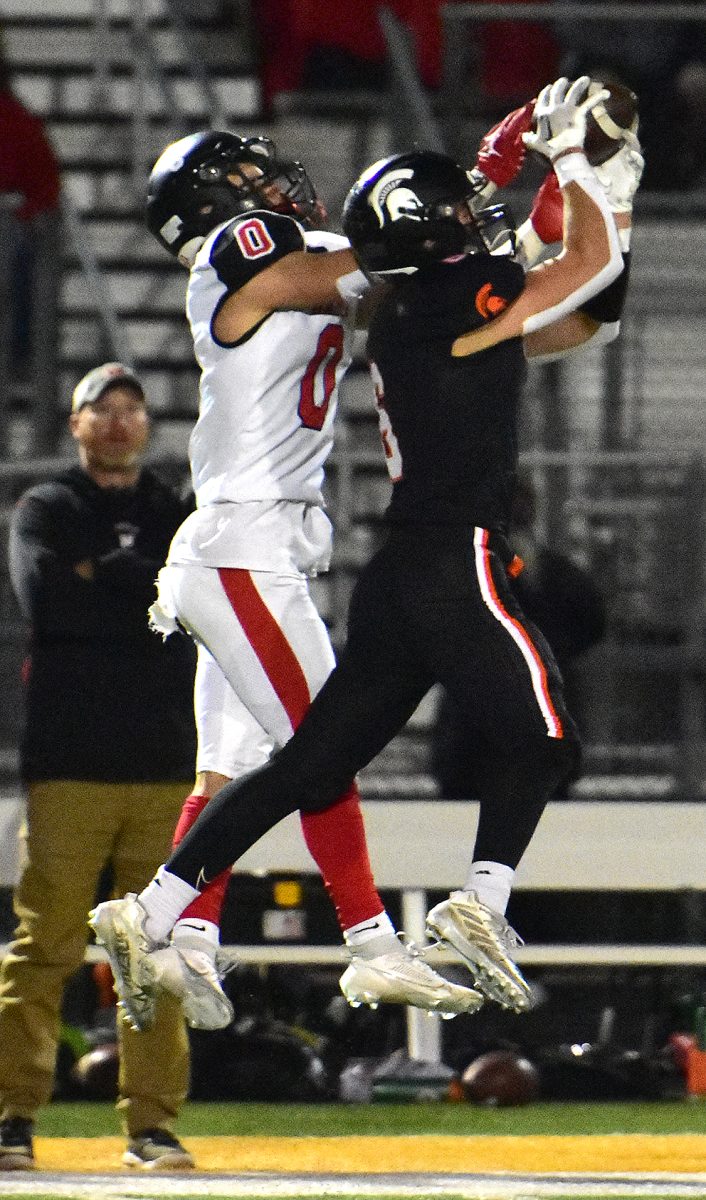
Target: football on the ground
[(501, 1078), (96, 1072), (609, 121)]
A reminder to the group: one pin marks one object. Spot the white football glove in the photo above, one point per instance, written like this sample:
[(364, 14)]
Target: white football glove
[(620, 175), (560, 115)]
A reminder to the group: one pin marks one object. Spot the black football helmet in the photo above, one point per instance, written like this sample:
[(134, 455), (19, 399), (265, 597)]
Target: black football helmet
[(189, 191), (413, 209)]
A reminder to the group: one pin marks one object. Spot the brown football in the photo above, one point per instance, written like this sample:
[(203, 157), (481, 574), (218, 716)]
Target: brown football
[(501, 1078), (609, 121), (96, 1072)]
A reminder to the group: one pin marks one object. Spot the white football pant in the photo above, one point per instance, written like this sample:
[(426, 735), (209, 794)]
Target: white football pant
[(263, 654)]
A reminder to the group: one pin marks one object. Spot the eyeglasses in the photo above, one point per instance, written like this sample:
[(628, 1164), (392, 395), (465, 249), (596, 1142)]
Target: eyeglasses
[(114, 412)]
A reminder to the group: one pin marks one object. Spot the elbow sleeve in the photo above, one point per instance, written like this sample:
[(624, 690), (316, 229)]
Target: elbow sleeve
[(607, 306)]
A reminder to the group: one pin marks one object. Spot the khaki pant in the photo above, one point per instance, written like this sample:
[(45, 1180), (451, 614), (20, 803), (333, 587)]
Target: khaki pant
[(73, 828)]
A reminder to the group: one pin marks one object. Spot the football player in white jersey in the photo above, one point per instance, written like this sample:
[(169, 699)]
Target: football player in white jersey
[(271, 302)]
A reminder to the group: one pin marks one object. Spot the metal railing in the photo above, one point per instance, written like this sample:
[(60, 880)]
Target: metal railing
[(30, 268), (53, 235), (115, 337), (49, 236), (149, 76)]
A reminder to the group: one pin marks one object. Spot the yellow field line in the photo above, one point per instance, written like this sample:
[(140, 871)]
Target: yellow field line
[(670, 1153)]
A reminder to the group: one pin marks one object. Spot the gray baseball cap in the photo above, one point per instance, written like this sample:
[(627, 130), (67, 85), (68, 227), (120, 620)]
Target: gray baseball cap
[(97, 381)]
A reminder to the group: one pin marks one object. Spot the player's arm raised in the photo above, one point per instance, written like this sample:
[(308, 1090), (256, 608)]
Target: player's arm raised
[(597, 321), (591, 257), (302, 280)]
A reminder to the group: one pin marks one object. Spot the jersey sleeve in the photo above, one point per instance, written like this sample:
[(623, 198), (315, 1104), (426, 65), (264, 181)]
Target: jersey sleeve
[(251, 243)]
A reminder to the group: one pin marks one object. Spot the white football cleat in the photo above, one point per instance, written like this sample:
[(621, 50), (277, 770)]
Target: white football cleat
[(190, 973), (405, 978), (485, 940), (118, 926)]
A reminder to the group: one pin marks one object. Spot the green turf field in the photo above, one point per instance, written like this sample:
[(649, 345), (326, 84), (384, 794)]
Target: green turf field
[(340, 1120)]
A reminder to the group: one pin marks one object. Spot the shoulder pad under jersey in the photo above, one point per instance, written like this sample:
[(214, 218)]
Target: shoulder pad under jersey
[(323, 239), (252, 242)]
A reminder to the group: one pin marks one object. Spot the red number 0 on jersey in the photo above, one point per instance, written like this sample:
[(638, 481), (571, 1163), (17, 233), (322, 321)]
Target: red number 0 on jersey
[(253, 238), (320, 377)]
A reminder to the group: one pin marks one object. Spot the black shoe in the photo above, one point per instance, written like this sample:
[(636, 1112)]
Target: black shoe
[(157, 1150), (16, 1152)]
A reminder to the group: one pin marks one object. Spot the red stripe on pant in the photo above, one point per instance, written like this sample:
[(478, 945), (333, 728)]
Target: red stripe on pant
[(335, 838)]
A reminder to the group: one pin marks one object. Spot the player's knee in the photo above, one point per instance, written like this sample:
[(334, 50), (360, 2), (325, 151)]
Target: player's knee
[(319, 799), (561, 758), (570, 758), (319, 793), (310, 778)]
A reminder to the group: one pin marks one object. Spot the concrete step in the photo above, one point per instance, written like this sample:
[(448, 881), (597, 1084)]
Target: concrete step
[(72, 93), (126, 241), (141, 293), (60, 43), (150, 339), (71, 10)]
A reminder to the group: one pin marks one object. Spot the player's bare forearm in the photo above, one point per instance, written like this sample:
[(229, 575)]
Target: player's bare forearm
[(589, 260), (306, 280)]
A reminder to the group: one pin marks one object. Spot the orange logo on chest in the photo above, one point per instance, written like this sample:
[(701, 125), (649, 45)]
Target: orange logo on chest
[(487, 304)]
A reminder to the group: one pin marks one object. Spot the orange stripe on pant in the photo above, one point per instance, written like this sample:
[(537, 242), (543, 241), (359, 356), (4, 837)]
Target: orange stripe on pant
[(517, 632)]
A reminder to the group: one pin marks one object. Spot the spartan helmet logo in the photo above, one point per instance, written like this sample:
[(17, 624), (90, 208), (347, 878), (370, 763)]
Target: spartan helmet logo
[(390, 199)]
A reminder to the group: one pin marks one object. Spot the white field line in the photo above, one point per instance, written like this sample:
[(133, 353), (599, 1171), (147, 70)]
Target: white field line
[(470, 1187)]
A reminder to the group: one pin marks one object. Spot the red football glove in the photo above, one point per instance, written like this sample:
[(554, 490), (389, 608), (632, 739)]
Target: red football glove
[(502, 151), (547, 215)]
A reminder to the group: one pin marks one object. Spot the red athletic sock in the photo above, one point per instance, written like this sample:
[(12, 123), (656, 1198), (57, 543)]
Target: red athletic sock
[(208, 906), (192, 808), (336, 841)]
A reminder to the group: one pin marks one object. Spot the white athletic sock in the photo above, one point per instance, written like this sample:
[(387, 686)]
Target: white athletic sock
[(195, 933), (386, 943), (492, 883), (367, 931), (164, 900)]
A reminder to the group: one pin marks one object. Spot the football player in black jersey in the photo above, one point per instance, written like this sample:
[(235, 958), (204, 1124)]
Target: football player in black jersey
[(448, 343), (273, 336)]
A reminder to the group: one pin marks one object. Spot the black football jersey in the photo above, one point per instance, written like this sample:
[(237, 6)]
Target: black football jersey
[(449, 425)]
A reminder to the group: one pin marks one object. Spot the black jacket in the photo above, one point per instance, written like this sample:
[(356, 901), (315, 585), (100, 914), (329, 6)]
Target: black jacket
[(106, 699)]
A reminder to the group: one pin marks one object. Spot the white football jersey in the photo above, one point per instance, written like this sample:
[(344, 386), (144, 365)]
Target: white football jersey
[(266, 406)]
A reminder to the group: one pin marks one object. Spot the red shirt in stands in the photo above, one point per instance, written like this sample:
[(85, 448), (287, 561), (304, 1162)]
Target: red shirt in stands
[(28, 164), (290, 29), (516, 57)]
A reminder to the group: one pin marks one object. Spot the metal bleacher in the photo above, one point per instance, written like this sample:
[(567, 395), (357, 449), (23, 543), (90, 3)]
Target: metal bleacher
[(75, 63)]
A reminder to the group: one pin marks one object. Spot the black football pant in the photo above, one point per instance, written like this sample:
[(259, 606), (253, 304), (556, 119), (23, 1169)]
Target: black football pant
[(432, 606)]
